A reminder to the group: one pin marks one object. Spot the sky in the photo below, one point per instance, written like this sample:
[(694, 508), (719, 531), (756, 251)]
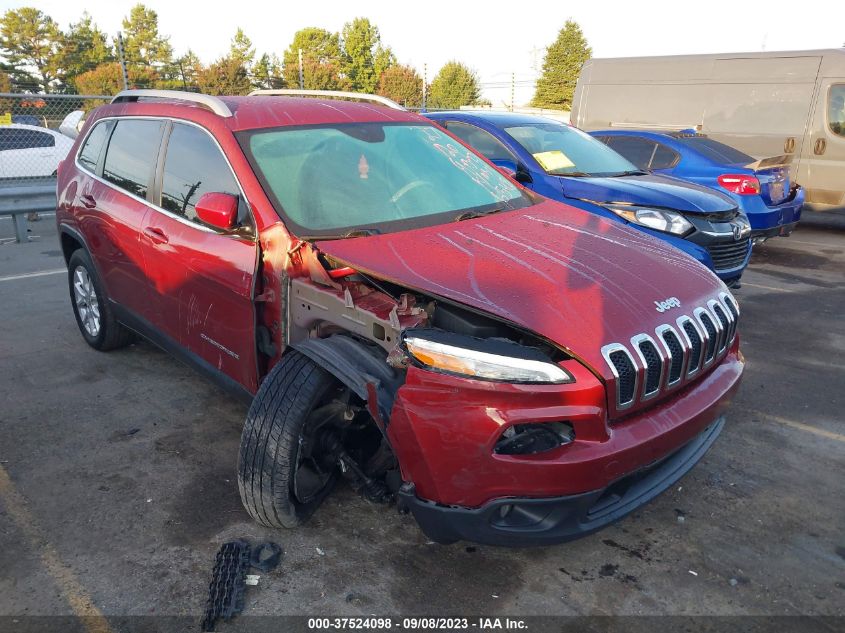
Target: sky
[(500, 40)]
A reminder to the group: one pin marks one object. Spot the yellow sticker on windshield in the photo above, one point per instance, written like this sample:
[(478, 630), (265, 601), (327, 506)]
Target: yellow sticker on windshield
[(6, 118), (554, 160)]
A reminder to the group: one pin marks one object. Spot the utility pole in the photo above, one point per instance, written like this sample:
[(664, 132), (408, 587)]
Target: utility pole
[(301, 74), (425, 86), (122, 57), (513, 90)]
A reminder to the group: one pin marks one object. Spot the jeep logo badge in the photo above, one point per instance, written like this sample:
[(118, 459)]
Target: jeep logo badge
[(668, 304)]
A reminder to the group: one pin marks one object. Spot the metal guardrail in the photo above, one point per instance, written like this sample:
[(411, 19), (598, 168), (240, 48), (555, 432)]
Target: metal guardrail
[(21, 199)]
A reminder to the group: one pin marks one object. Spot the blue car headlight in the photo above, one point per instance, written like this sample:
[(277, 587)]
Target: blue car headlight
[(657, 219)]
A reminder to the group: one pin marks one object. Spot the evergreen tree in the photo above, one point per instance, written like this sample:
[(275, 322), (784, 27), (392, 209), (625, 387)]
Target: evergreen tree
[(31, 43), (364, 57), (561, 67), (84, 48), (454, 86), (321, 56), (267, 72), (241, 49), (187, 69), (142, 43)]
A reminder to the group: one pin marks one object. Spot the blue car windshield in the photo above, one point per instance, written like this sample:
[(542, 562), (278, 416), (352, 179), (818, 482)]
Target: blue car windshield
[(333, 180), (563, 150)]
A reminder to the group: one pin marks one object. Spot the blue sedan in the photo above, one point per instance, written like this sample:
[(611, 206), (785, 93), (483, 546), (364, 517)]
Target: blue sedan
[(760, 188), (561, 162)]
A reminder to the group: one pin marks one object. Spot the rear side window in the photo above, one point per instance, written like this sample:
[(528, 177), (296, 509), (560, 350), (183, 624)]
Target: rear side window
[(664, 157), (482, 141), (17, 138), (836, 109), (132, 154), (193, 166), (715, 151), (636, 149), (90, 153)]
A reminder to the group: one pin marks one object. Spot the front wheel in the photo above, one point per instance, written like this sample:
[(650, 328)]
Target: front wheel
[(288, 461)]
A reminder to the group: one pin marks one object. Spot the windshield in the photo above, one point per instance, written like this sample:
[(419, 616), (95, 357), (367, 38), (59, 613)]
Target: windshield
[(338, 179), (714, 150), (562, 150)]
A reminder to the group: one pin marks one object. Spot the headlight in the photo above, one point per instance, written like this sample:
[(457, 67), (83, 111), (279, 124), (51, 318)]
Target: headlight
[(657, 219), (486, 365)]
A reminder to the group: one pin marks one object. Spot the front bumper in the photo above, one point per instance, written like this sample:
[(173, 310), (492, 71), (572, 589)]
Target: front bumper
[(444, 430), (524, 521)]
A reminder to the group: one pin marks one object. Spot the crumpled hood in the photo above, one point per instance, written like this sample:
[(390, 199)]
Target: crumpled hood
[(648, 190), (571, 276)]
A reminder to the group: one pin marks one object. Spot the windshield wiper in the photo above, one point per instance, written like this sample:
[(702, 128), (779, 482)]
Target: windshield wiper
[(633, 172), (575, 174), (361, 232), (469, 215)]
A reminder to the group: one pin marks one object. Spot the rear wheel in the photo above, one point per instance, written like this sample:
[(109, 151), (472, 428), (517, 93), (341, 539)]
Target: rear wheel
[(291, 442), (94, 315)]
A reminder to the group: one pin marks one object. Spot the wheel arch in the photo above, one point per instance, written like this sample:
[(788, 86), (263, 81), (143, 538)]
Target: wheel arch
[(359, 366)]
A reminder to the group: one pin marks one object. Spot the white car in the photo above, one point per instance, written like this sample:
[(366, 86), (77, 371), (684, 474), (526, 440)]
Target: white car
[(29, 150)]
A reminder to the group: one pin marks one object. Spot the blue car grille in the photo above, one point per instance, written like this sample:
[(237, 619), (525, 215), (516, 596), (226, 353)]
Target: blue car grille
[(729, 255)]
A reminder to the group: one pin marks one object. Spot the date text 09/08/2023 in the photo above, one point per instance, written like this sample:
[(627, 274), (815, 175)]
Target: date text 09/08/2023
[(417, 623)]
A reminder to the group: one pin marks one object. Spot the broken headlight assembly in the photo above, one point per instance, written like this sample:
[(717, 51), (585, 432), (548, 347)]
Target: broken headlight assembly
[(486, 359), (657, 219)]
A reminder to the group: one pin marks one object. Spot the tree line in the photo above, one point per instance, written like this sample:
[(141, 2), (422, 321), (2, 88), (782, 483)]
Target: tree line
[(38, 56)]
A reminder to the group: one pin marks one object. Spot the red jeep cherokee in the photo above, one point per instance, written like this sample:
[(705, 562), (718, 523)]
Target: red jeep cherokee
[(397, 311)]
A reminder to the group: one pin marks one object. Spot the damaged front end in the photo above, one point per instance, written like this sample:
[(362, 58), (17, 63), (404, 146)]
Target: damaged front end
[(372, 334)]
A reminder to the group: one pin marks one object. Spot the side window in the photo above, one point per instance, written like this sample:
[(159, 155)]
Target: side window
[(89, 155), (132, 154), (635, 148), (19, 138), (483, 142), (836, 109), (193, 166), (664, 157), (5, 139)]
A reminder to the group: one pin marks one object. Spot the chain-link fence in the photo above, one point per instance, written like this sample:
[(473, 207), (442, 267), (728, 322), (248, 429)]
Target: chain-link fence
[(37, 132)]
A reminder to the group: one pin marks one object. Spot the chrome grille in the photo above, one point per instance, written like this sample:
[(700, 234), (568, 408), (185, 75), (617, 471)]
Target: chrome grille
[(650, 366), (710, 334)]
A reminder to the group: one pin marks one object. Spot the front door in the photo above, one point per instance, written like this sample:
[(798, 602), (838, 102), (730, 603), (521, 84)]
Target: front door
[(201, 279), (822, 169)]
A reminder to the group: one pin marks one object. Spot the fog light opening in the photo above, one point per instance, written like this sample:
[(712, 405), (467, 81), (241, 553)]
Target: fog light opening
[(533, 438)]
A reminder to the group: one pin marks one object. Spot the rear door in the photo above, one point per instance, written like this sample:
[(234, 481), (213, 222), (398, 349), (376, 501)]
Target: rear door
[(112, 204), (822, 168), (201, 279)]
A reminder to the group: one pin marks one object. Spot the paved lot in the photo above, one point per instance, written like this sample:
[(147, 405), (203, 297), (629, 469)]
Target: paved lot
[(117, 482)]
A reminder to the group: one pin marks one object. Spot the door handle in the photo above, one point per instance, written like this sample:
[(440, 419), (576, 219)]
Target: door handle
[(789, 145), (88, 201), (820, 146), (156, 235)]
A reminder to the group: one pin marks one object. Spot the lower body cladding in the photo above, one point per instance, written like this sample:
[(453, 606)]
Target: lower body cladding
[(447, 433)]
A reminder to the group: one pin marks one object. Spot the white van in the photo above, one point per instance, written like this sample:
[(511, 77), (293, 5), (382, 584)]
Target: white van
[(765, 104)]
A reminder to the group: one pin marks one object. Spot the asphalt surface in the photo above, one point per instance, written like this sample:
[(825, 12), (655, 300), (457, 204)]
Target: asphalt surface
[(117, 482)]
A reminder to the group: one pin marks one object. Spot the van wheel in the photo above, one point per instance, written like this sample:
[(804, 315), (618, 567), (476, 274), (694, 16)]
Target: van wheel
[(288, 461), (93, 313)]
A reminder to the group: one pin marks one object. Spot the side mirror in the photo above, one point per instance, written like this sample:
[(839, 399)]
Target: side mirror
[(507, 167), (219, 210)]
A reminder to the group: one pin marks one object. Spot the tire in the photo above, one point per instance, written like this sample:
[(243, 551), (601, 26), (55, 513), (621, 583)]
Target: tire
[(284, 406), (109, 333)]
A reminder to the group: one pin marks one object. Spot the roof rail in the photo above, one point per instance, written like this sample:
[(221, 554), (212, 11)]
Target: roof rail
[(212, 103), (296, 92)]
